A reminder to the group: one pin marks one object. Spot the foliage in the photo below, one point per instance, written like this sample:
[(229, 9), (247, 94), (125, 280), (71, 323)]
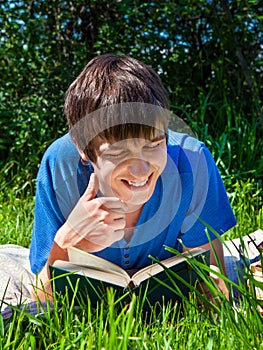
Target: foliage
[(16, 216), (208, 53), (112, 325)]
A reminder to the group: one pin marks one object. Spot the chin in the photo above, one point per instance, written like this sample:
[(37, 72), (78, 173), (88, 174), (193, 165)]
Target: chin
[(136, 200)]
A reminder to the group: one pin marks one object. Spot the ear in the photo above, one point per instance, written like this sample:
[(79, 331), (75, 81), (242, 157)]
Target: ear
[(83, 156)]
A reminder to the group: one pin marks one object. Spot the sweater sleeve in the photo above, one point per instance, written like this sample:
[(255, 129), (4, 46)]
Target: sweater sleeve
[(47, 219), (61, 180)]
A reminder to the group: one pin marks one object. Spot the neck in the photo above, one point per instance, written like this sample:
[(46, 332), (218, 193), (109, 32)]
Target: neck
[(131, 221), (132, 217)]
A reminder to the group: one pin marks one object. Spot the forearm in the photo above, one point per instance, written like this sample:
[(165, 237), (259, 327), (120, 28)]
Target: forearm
[(65, 237), (216, 254), (93, 225), (43, 286), (217, 263)]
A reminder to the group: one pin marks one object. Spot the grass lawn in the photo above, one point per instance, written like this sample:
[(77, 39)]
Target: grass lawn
[(113, 325)]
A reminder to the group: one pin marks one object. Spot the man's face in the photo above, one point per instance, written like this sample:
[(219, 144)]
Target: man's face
[(129, 169)]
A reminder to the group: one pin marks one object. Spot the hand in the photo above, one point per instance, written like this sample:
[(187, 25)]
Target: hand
[(217, 247), (94, 223), (204, 289), (219, 281)]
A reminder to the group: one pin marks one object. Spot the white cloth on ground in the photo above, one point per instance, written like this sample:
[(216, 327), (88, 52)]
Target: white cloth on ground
[(16, 276)]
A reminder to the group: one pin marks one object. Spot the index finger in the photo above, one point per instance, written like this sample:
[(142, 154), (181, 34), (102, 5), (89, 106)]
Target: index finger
[(112, 203)]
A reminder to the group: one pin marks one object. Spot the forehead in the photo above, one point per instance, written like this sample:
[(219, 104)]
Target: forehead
[(118, 122)]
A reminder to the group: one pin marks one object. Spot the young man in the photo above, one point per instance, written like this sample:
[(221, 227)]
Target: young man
[(120, 184)]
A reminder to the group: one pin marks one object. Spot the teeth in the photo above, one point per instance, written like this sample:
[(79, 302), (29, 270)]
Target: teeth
[(137, 184)]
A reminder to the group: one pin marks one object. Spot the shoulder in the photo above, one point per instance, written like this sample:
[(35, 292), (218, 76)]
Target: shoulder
[(60, 154), (63, 144), (185, 151), (184, 141)]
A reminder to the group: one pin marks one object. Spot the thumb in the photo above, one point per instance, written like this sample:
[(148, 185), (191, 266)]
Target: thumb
[(92, 187)]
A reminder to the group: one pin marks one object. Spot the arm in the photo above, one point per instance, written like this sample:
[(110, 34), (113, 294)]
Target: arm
[(94, 224), (209, 207), (216, 246), (43, 288)]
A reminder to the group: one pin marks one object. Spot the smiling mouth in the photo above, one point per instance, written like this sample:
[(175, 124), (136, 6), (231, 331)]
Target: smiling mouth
[(138, 184)]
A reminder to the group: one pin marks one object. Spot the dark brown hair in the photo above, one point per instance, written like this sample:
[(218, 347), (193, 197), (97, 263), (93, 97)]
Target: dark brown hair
[(109, 80)]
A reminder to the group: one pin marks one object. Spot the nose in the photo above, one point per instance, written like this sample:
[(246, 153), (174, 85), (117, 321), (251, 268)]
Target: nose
[(139, 168)]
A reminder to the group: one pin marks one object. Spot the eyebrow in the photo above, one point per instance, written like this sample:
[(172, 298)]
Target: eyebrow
[(157, 138)]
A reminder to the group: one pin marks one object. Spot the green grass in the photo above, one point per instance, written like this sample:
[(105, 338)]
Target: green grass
[(16, 217), (238, 153), (246, 198), (114, 326), (111, 326)]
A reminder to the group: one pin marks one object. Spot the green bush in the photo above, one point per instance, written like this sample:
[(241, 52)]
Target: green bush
[(207, 53)]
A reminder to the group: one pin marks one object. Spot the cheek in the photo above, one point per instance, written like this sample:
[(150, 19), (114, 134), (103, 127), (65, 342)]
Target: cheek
[(105, 174), (158, 160)]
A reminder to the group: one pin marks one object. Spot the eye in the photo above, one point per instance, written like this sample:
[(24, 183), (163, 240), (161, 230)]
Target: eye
[(154, 145), (113, 155)]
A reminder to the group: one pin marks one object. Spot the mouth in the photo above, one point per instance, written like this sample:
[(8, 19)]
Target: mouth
[(138, 185)]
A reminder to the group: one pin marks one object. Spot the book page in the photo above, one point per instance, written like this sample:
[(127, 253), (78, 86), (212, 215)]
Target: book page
[(155, 268), (111, 277), (79, 257)]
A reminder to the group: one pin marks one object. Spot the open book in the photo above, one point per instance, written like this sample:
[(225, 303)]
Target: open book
[(93, 274)]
